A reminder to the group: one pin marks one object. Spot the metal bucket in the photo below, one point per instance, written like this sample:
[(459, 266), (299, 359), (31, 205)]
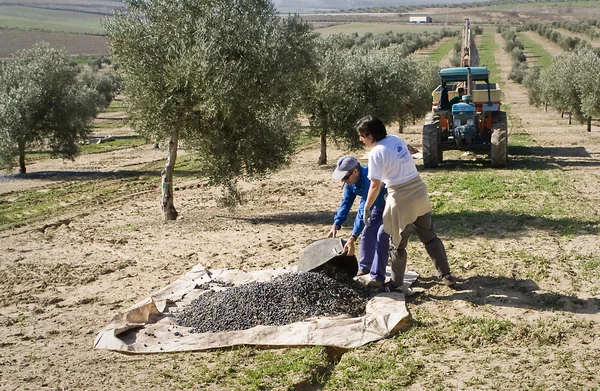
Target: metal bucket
[(327, 253)]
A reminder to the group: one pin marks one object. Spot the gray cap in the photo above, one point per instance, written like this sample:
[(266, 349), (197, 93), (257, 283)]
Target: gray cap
[(344, 164)]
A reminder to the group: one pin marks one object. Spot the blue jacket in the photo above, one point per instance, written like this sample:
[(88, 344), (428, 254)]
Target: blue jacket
[(361, 189)]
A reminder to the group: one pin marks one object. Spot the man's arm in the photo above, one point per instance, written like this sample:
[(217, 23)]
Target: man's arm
[(342, 212)]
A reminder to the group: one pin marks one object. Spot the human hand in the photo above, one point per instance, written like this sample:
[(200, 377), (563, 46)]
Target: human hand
[(332, 232), (367, 216), (349, 248)]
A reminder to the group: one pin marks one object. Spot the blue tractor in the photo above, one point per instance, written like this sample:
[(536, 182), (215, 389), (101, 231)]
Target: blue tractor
[(473, 124)]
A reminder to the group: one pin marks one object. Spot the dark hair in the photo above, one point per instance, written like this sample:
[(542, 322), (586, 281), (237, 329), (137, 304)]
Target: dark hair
[(371, 126)]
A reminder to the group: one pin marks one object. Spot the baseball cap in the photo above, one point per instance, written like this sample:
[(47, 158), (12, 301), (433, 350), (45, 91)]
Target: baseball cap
[(344, 164)]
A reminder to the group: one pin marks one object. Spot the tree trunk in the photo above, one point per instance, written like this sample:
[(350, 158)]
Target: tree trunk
[(589, 124), (545, 107), (168, 208), (569, 118), (323, 155), (22, 169), (400, 128)]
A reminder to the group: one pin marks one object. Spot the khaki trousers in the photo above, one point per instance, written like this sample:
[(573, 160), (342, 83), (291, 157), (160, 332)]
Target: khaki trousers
[(423, 226)]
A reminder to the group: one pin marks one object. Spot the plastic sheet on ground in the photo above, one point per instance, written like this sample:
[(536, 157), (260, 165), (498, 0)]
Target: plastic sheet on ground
[(150, 327)]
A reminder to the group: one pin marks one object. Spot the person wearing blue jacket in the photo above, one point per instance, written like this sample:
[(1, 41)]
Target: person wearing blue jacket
[(374, 244)]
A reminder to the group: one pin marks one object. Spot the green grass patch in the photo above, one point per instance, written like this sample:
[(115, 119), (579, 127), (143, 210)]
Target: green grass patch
[(26, 207), (112, 123), (245, 369), (364, 369), (442, 50), (114, 106), (81, 60), (519, 140), (32, 18), (542, 58), (487, 48), (306, 138), (466, 202), (119, 142)]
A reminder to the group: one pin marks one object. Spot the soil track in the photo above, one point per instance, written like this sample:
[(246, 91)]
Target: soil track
[(63, 282)]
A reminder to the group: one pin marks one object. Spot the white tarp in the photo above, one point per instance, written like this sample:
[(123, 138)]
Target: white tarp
[(149, 326)]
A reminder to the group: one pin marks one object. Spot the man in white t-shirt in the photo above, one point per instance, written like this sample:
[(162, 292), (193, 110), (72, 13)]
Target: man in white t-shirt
[(407, 206)]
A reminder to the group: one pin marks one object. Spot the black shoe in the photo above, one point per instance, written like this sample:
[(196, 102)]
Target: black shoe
[(448, 280), (392, 288)]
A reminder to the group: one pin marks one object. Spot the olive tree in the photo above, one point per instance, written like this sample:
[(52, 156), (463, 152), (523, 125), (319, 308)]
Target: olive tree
[(569, 84), (351, 83), (220, 77), (586, 68), (347, 85), (107, 84), (43, 104), (412, 82), (559, 85)]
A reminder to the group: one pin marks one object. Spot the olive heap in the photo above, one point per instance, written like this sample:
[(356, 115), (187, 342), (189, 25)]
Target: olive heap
[(288, 298)]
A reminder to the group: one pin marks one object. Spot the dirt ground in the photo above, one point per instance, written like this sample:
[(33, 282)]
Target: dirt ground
[(62, 284)]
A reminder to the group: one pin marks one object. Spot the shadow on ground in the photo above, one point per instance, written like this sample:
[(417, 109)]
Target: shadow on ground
[(321, 217), (524, 158), (510, 292)]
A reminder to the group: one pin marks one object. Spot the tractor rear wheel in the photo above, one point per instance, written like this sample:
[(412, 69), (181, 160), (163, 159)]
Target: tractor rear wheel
[(432, 152), (499, 144)]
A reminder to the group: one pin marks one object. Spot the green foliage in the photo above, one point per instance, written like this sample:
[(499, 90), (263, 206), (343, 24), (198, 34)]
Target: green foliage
[(568, 83), (224, 76), (42, 102), (350, 83), (107, 84)]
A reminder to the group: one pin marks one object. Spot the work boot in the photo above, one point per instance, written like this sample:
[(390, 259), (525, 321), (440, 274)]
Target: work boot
[(448, 280), (389, 287)]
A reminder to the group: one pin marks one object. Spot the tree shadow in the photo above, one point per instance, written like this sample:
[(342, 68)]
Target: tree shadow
[(75, 175), (549, 151), (511, 292), (321, 217), (521, 157)]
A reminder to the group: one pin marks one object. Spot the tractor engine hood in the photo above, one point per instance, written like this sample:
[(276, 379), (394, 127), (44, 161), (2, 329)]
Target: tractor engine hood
[(463, 108)]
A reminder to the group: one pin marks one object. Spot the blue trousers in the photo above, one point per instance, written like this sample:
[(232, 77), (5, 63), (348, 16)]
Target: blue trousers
[(374, 247)]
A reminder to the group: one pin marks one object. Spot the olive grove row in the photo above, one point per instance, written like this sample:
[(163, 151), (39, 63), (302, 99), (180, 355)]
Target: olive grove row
[(569, 84), (228, 80)]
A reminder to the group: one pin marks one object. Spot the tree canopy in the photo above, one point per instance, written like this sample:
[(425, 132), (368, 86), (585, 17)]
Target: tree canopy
[(569, 84), (43, 103), (351, 83), (222, 76)]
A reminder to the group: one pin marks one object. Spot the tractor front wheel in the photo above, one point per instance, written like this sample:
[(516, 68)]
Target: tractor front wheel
[(432, 152)]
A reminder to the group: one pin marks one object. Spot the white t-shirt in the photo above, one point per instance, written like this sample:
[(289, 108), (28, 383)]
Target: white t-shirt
[(390, 161)]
